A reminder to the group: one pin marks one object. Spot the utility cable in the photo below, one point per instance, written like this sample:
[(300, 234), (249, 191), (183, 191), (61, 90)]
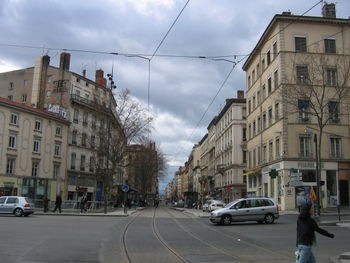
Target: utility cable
[(173, 24)]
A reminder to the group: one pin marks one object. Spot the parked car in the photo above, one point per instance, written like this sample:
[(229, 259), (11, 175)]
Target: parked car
[(258, 209), (212, 205), (17, 205)]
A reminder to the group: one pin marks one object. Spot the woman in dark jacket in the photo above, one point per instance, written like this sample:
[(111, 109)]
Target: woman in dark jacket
[(306, 227)]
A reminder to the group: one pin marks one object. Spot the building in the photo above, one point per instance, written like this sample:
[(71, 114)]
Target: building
[(94, 132), (297, 97), (230, 152), (33, 151)]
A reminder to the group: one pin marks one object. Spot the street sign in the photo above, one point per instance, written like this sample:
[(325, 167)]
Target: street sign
[(312, 196), (125, 188)]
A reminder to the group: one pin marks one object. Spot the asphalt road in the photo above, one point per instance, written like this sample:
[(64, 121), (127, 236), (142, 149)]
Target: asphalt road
[(154, 235)]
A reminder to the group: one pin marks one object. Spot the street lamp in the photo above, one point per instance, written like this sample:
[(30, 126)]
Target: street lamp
[(111, 86), (317, 161)]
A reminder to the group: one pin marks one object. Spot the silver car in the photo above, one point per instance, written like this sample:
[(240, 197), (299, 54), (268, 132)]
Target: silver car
[(260, 209), (17, 205)]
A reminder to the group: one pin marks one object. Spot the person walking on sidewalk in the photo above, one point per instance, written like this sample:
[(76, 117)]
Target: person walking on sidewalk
[(83, 202), (58, 204), (306, 227)]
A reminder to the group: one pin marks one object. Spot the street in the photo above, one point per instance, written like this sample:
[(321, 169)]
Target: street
[(155, 235)]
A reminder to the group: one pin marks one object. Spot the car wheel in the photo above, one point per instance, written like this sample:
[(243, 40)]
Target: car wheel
[(269, 219), (18, 212), (226, 220)]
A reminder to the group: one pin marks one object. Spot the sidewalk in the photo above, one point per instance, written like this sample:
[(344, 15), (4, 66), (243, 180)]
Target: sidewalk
[(119, 212)]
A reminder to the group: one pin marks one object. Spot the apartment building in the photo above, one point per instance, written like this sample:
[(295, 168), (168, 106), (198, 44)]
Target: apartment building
[(33, 151), (90, 108), (230, 152), (297, 96)]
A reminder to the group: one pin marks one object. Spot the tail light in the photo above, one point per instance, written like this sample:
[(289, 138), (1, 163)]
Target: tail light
[(27, 205)]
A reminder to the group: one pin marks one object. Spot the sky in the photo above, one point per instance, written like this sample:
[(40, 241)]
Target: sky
[(195, 50)]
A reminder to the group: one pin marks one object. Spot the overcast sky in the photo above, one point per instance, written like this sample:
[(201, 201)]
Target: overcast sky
[(186, 90)]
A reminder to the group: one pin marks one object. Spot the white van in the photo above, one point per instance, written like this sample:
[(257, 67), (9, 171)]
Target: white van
[(260, 209)]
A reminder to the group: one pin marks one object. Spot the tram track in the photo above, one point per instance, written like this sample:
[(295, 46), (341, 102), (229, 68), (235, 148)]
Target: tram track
[(242, 240)]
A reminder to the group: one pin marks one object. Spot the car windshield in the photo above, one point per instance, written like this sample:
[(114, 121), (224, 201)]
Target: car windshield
[(230, 204)]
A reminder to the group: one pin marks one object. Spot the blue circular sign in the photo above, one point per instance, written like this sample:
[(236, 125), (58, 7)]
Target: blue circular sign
[(125, 188)]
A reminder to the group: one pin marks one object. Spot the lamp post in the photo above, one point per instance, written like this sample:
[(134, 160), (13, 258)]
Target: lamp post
[(317, 161), (317, 157), (109, 112)]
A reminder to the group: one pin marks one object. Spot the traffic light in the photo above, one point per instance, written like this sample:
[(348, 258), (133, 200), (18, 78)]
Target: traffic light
[(273, 173)]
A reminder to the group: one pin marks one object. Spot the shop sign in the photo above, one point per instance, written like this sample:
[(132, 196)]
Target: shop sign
[(9, 184)]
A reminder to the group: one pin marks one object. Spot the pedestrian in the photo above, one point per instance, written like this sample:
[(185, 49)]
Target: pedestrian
[(46, 204), (58, 204), (83, 202), (306, 227)]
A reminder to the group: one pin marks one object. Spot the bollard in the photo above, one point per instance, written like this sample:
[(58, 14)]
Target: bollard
[(338, 208)]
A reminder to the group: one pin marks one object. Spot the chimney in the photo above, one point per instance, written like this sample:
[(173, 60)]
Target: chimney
[(84, 73), (65, 61), (328, 10), (99, 78), (240, 94)]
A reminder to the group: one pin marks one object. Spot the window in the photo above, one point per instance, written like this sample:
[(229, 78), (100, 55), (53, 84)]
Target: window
[(38, 125), (92, 141), (56, 171), (249, 83), (269, 86), (302, 74), (92, 164), (259, 124), (254, 128), (249, 106), (331, 76), (263, 64), (93, 123), (300, 44), (264, 120), (77, 93), (277, 147), (75, 115), (329, 46), (275, 79), (270, 151), (263, 92), (268, 57), (303, 106), (25, 83), (258, 70), (244, 134), (244, 155), (14, 119), (36, 146), (72, 161), (10, 97), (82, 163), (274, 48), (253, 76), (11, 86), (277, 111), (24, 97), (74, 137), (10, 166), (244, 113), (305, 145), (335, 147), (12, 141), (85, 118), (83, 139), (35, 169), (57, 152), (270, 115), (58, 131), (333, 109)]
